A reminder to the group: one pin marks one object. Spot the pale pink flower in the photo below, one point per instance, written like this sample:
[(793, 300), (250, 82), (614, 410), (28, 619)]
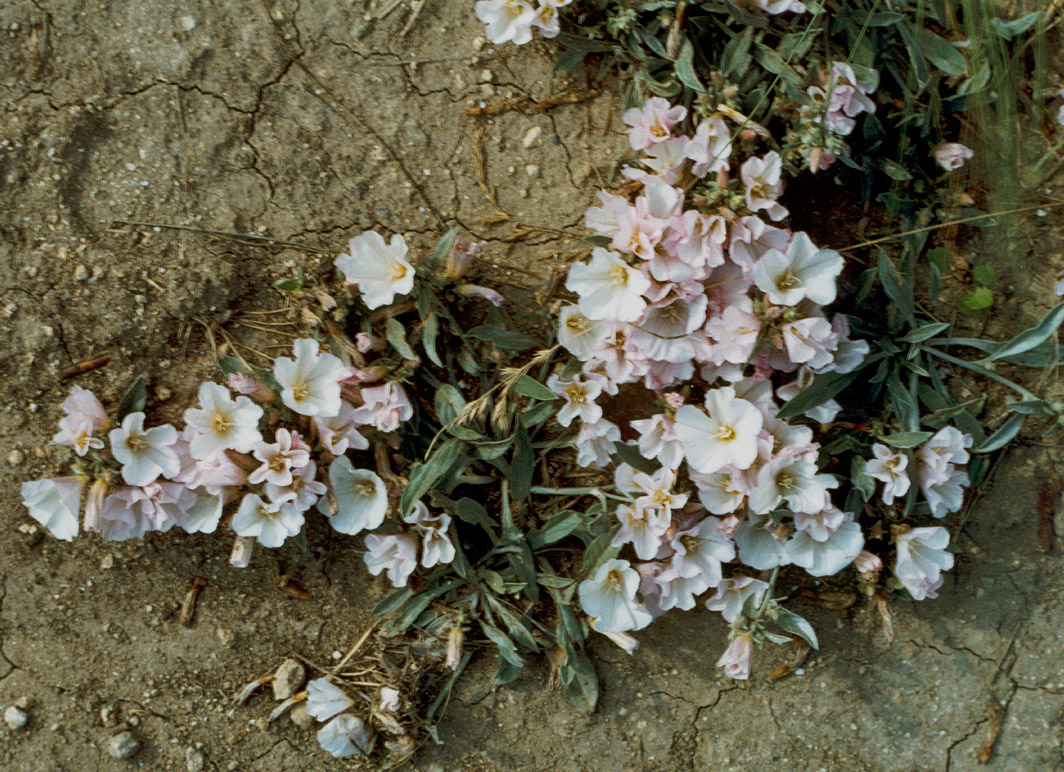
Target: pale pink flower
[(325, 700), (130, 512), (579, 395), (300, 494), (609, 598), (710, 148), (366, 342), (761, 176), (84, 415), (828, 556), (222, 423), (242, 384), (580, 336), (735, 335), (270, 523), (361, 498), (803, 271), (810, 342), (736, 658), (922, 557), (641, 527), (279, 459), (700, 550), (476, 291), (951, 155), (652, 123), (395, 555), (889, 467), (338, 433), (868, 566), (731, 596), (384, 407), (658, 439), (793, 480), (506, 21), (727, 435), (595, 442)]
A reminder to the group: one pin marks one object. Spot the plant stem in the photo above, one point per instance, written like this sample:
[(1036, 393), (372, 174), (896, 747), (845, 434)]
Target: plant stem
[(768, 593)]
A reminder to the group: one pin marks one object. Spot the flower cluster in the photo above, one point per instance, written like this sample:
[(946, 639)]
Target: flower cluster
[(842, 94), (512, 21), (319, 407), (696, 286)]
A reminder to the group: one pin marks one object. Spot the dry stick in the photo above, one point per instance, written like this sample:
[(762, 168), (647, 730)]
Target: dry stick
[(1053, 203), (225, 234)]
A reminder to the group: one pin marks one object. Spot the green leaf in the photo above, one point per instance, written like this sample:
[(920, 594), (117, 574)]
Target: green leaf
[(487, 450), (736, 59), (510, 340), (823, 387), (893, 170), (895, 287), (600, 550), (984, 274), (864, 484), (413, 608), (424, 475), (507, 649), (527, 386), (925, 331), (1003, 435), (393, 602), (1007, 30), (395, 332), (793, 623), (581, 689), (906, 439), (472, 512), (598, 241), (1031, 337), (443, 248), (684, 66), (523, 465), (629, 454), (230, 365), (537, 414), (904, 404), (449, 403), (429, 334), (134, 400), (555, 529), (288, 285), (1028, 406), (976, 299), (941, 258), (940, 53)]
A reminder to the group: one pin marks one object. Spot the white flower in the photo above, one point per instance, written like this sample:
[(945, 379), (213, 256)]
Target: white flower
[(279, 459), (222, 423), (144, 454), (728, 435), (609, 598), (270, 523), (310, 385), (595, 442), (828, 556), (202, 514), (710, 148), (947, 446), (944, 495), (922, 557), (390, 700), (54, 503), (889, 468), (325, 700), (759, 547), (793, 480), (761, 176), (302, 493), (361, 498), (658, 439), (345, 735), (436, 545), (665, 331), (609, 288), (736, 658), (396, 555), (803, 271), (735, 334), (652, 123), (810, 342), (579, 396), (130, 512), (657, 491), (721, 492), (676, 591), (380, 270), (580, 336), (951, 155), (506, 20), (700, 550), (84, 415), (731, 596), (643, 528)]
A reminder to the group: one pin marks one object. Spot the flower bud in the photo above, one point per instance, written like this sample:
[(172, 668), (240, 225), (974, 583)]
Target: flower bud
[(327, 301), (461, 257), (477, 291), (241, 384), (243, 547), (93, 505), (454, 647), (365, 342), (868, 566)]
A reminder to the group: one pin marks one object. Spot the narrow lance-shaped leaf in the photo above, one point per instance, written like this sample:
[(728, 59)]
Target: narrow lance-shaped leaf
[(1003, 435), (793, 623), (424, 475), (1031, 337)]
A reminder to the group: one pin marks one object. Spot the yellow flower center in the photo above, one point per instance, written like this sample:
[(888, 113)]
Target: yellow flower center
[(619, 275), (576, 394), (221, 423), (787, 281), (137, 442), (725, 434)]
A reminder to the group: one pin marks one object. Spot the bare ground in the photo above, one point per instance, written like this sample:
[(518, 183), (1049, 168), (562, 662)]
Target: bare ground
[(295, 121)]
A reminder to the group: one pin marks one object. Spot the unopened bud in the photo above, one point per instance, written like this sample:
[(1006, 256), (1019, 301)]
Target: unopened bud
[(93, 505), (309, 317), (461, 257), (243, 547), (868, 566), (747, 135), (455, 640), (327, 301), (365, 342), (814, 159), (477, 291), (241, 384)]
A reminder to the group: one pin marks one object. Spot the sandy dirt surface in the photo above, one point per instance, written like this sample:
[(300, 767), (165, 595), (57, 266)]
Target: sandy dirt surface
[(298, 122)]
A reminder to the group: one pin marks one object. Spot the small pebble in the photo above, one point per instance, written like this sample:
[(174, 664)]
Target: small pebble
[(81, 273), (301, 718), (194, 760), (16, 718), (15, 457), (107, 562), (531, 136), (486, 76), (478, 43), (163, 394), (531, 170), (123, 745), (288, 678)]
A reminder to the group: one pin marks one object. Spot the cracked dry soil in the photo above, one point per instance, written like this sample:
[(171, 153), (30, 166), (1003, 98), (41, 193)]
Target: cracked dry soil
[(297, 121)]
